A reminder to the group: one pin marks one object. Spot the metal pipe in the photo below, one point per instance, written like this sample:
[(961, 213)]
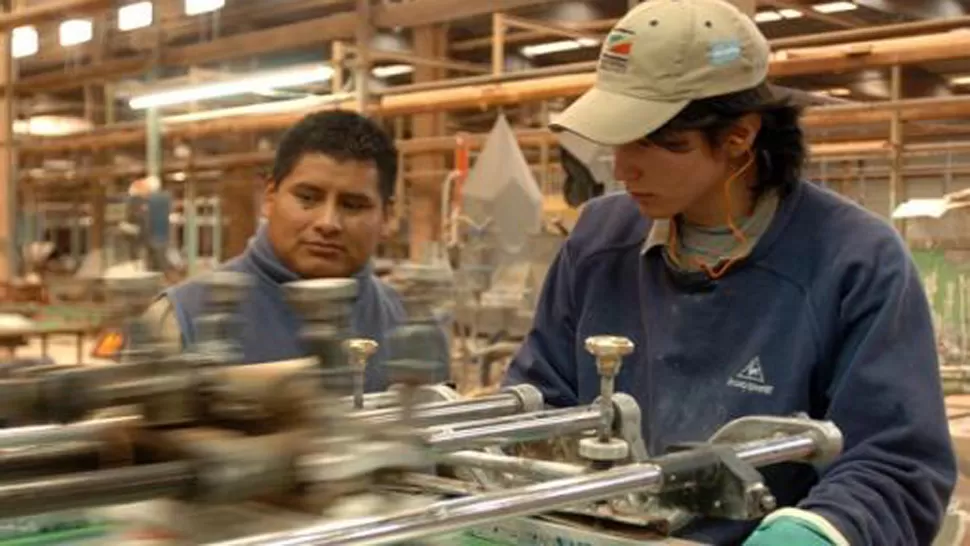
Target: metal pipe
[(374, 400), (445, 439), (443, 412), (453, 515), (101, 488), (83, 431), (514, 418), (514, 465), (115, 394), (21, 464)]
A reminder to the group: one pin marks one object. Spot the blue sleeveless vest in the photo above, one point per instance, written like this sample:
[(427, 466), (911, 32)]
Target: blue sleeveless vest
[(270, 329)]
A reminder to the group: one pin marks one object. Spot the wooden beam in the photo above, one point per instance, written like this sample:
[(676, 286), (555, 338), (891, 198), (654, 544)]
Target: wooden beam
[(587, 27), (872, 33), (427, 12), (861, 55), (512, 92), (547, 28), (46, 11), (341, 26), (410, 58), (842, 20)]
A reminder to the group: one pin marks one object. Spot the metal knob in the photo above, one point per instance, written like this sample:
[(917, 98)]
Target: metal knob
[(609, 352), (359, 351)]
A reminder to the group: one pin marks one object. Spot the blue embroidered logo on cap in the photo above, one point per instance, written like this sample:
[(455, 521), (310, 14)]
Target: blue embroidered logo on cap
[(724, 52)]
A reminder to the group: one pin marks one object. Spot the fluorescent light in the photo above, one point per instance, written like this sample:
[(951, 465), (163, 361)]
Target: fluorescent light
[(767, 17), (51, 126), (25, 42), (76, 31), (790, 13), (837, 92), (960, 80), (305, 104), (197, 7), (557, 47), (251, 84), (835, 7), (391, 70), (134, 16)]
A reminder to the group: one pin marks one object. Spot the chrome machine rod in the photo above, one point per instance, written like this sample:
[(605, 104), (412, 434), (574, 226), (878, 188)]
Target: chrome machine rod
[(454, 515), (82, 431)]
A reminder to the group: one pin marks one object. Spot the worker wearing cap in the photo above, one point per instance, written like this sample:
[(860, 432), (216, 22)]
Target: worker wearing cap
[(745, 289)]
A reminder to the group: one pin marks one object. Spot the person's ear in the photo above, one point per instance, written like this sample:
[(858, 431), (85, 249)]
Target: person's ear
[(270, 193), (389, 219), (741, 137)]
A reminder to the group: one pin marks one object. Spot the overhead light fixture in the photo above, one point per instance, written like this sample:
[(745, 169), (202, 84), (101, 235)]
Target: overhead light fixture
[(134, 16), (76, 31), (770, 16), (960, 80), (392, 70), (767, 17), (837, 92), (557, 47), (24, 42), (198, 7), (251, 84), (304, 104), (835, 7)]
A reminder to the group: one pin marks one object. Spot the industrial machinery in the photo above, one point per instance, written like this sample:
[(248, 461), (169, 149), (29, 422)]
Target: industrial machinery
[(416, 464)]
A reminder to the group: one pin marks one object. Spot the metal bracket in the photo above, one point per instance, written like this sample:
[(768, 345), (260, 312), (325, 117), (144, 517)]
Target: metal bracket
[(828, 438), (712, 481), (627, 424)]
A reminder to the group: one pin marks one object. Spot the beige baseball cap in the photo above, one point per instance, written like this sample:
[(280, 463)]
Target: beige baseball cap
[(659, 57)]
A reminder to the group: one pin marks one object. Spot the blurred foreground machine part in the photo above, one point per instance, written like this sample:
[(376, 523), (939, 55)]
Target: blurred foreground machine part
[(417, 463)]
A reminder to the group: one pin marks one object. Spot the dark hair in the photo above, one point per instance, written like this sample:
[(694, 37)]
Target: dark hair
[(342, 135), (779, 148)]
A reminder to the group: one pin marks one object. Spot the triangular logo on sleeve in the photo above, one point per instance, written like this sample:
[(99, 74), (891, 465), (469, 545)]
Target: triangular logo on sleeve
[(751, 378)]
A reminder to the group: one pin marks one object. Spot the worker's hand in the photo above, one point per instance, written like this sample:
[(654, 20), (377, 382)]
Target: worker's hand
[(788, 531)]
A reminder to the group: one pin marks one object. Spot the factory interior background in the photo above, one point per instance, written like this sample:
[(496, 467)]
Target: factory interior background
[(103, 98)]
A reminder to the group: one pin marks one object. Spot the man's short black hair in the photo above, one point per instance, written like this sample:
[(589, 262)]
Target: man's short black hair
[(779, 148), (342, 135)]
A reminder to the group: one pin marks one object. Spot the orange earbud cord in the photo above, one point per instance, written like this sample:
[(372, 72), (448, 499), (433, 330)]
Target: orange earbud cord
[(716, 273)]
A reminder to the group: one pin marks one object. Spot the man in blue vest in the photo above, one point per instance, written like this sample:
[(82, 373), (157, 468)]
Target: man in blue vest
[(326, 206), (744, 289)]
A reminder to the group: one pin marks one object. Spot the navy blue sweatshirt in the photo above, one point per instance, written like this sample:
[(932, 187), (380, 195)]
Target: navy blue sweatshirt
[(826, 316), (271, 329)]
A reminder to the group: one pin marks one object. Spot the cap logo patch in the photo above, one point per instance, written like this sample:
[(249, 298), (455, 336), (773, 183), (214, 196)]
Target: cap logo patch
[(724, 52), (616, 51)]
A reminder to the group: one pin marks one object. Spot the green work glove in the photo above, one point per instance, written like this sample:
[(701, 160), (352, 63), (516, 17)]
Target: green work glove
[(788, 531)]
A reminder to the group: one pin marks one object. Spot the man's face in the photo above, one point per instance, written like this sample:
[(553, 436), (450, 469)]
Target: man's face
[(667, 180), (326, 217)]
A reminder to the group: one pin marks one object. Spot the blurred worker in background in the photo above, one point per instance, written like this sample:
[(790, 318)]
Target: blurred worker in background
[(326, 206), (745, 289)]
